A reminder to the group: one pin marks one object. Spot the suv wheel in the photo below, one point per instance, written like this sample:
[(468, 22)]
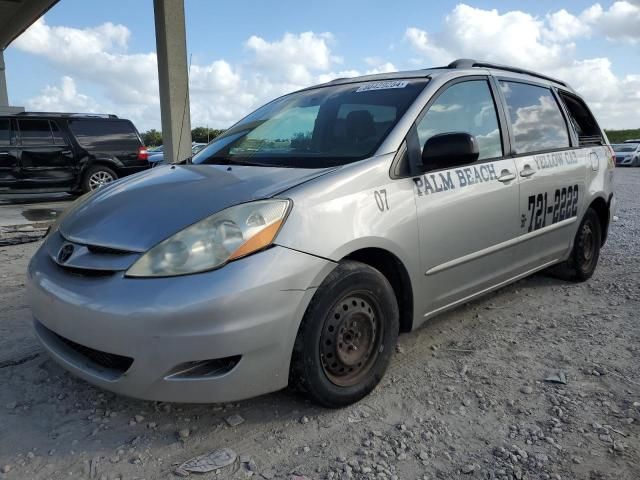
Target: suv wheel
[(97, 176), (586, 249), (346, 337)]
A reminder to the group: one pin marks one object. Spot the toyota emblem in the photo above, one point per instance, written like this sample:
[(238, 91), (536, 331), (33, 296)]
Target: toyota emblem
[(65, 253)]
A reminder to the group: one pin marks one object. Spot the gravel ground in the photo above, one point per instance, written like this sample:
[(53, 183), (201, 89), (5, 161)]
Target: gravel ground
[(465, 396)]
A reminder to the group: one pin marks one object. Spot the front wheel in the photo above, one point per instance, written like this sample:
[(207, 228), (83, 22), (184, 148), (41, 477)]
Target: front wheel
[(346, 337)]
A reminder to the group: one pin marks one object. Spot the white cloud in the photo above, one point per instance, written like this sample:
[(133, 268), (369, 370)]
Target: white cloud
[(221, 92), (547, 45), (620, 22), (63, 97), (379, 65), (98, 59)]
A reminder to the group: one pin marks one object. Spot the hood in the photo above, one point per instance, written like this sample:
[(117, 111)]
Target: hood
[(139, 211)]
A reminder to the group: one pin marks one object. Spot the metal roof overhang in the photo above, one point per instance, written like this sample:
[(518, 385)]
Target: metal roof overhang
[(18, 15)]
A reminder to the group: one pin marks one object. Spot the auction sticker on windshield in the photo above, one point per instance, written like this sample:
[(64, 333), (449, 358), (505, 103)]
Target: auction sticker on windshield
[(382, 85)]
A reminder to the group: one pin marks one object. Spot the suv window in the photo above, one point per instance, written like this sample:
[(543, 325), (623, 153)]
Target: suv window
[(583, 122), (35, 132), (5, 132), (465, 107), (535, 116), (97, 133), (58, 138)]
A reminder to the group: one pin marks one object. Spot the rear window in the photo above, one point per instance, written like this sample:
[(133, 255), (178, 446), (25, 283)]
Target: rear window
[(536, 120), (109, 134), (35, 132), (582, 120), (5, 132)]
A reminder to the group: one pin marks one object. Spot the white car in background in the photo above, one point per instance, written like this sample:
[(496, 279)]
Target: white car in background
[(627, 154)]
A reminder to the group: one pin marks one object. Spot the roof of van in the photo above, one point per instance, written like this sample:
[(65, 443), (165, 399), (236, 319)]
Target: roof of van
[(465, 65)]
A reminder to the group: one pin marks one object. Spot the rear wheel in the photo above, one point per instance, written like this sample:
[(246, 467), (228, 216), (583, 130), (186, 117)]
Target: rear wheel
[(346, 337), (586, 249), (97, 176)]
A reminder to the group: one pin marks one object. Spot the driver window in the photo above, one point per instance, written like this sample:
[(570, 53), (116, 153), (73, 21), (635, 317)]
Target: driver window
[(466, 107)]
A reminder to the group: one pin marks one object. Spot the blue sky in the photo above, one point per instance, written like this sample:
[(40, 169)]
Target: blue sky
[(245, 53)]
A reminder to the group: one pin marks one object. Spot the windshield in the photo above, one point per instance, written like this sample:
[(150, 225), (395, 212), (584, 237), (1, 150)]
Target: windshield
[(316, 128), (625, 147)]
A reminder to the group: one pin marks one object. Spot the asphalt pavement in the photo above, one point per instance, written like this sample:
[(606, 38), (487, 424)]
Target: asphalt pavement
[(27, 211)]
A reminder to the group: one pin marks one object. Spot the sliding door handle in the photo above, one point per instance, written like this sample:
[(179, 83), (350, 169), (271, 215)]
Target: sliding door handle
[(506, 176), (527, 171)]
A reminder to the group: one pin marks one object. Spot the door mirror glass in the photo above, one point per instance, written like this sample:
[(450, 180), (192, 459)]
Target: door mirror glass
[(447, 150)]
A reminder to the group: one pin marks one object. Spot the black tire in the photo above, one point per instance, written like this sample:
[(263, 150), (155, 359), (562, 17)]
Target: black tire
[(88, 184), (356, 307), (586, 249)]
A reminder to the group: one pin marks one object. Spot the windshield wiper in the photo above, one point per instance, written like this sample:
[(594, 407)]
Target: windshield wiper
[(230, 161)]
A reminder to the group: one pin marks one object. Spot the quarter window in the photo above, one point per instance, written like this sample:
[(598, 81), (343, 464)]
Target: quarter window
[(583, 122), (535, 117), (35, 132), (103, 133), (465, 107)]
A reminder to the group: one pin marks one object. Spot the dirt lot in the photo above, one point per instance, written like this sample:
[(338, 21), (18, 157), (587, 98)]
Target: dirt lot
[(465, 396)]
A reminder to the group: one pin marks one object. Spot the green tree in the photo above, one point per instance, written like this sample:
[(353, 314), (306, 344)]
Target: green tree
[(152, 138), (619, 136), (204, 135)]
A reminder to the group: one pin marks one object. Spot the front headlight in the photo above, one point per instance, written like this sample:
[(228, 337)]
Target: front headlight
[(225, 236)]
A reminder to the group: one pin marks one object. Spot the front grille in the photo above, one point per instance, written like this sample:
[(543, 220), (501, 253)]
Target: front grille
[(111, 361), (86, 272), (106, 250)]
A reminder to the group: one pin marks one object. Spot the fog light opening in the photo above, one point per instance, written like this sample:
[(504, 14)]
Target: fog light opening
[(203, 369)]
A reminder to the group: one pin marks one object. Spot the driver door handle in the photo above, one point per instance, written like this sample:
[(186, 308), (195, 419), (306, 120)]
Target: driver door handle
[(527, 171), (506, 176)]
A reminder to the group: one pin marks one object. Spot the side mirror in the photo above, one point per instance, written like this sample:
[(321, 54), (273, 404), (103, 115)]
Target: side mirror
[(448, 150)]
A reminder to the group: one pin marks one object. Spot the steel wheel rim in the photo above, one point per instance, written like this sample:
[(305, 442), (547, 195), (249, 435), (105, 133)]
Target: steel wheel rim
[(99, 179), (351, 339), (588, 242)]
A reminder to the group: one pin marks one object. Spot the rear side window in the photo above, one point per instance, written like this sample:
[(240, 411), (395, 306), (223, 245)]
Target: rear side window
[(582, 120), (35, 132), (105, 134), (535, 116), (5, 132), (465, 107)]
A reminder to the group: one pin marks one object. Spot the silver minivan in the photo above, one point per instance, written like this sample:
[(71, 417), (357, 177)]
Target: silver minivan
[(295, 247)]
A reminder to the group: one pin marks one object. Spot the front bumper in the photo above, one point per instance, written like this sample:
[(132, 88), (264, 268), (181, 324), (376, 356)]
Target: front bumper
[(250, 309), (624, 161)]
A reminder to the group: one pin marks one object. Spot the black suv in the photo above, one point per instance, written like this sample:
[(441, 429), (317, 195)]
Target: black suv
[(67, 152)]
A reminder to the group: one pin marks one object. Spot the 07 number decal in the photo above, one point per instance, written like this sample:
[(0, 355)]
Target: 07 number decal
[(565, 205), (381, 199)]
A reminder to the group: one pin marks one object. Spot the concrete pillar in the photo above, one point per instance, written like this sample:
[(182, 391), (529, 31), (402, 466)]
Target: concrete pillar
[(4, 96), (171, 47)]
